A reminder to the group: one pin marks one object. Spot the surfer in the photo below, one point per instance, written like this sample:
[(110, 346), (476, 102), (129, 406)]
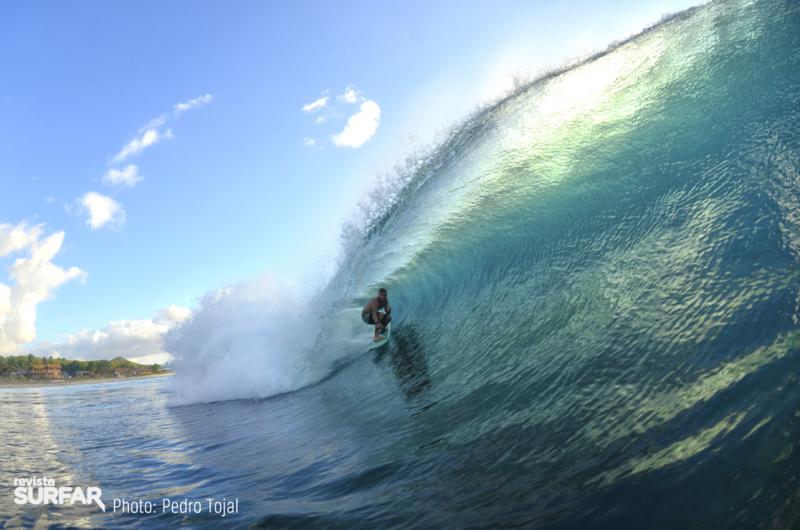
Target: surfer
[(372, 316)]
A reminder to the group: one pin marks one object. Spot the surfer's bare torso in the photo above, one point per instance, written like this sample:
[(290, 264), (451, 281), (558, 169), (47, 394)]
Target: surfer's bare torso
[(373, 306)]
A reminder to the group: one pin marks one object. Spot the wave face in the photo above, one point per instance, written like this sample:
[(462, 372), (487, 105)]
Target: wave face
[(614, 244), (597, 280)]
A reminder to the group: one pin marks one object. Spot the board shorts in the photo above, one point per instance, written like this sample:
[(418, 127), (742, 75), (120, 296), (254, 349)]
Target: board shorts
[(367, 318)]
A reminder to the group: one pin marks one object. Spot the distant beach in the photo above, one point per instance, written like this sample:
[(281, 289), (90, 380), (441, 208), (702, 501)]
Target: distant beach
[(17, 382)]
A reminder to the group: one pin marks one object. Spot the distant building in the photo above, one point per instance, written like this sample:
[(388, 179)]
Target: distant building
[(46, 370)]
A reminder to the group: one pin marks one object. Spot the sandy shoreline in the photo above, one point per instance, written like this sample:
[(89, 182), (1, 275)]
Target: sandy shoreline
[(24, 383)]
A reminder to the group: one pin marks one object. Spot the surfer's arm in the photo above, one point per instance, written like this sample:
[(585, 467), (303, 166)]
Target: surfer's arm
[(376, 319), (388, 309)]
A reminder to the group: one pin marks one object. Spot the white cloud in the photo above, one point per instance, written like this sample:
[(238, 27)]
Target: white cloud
[(137, 340), (317, 104), (360, 126), (172, 314), (149, 137), (192, 104), (151, 133), (15, 238), (351, 95), (101, 210), (125, 177), (155, 123), (34, 278)]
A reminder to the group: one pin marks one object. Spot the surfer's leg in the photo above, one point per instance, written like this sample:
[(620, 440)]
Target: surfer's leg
[(385, 319), (382, 320)]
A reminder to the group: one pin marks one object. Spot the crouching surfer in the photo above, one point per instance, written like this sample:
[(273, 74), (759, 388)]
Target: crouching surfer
[(372, 315)]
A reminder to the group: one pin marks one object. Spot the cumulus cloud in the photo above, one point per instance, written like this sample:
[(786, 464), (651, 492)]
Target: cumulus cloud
[(125, 177), (192, 104), (149, 137), (137, 340), (101, 210), (360, 127), (171, 315), (15, 238), (33, 277), (317, 104)]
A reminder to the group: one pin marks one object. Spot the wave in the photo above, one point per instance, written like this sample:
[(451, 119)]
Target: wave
[(601, 236)]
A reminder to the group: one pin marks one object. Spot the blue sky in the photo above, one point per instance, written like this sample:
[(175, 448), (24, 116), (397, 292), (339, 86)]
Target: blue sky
[(231, 189)]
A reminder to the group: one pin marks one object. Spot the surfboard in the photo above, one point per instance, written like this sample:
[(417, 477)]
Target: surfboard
[(386, 334)]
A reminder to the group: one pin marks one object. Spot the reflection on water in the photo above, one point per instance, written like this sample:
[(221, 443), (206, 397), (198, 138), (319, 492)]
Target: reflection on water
[(28, 451), (407, 358)]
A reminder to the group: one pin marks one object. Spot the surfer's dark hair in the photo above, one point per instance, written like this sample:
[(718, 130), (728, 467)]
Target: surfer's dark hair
[(381, 290)]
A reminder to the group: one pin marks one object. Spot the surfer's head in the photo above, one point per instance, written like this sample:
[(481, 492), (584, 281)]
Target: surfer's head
[(382, 294)]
